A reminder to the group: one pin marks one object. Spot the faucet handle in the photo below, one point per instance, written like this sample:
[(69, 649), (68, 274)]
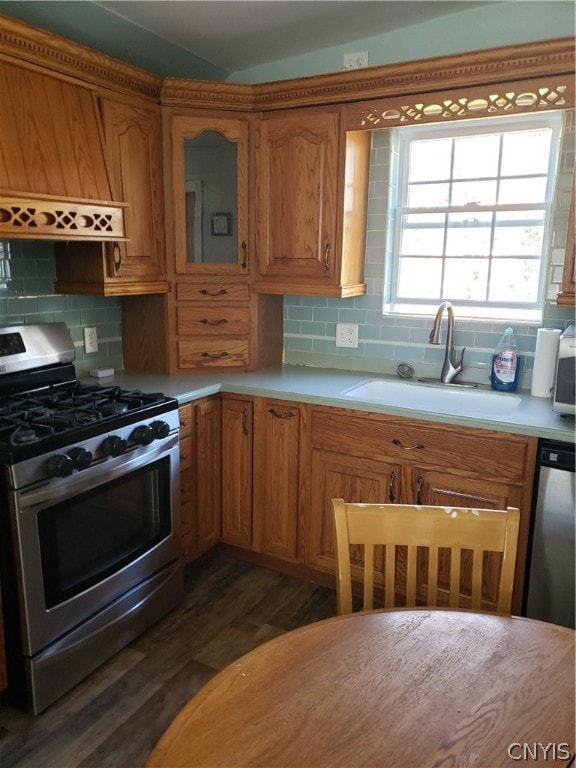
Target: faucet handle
[(460, 363)]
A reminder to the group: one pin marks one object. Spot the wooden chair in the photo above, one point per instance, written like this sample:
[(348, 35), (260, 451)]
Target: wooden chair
[(416, 529)]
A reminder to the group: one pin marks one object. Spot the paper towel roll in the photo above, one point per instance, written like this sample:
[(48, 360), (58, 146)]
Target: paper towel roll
[(547, 341)]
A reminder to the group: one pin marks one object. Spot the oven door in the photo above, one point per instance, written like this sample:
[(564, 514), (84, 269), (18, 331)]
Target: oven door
[(83, 545)]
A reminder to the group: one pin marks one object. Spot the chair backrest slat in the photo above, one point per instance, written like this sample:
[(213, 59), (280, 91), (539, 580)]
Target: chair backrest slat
[(477, 571), (412, 553), (368, 577), (390, 576), (432, 596), (455, 540)]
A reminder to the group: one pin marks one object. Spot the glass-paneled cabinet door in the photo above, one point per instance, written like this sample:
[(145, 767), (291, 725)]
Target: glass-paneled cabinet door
[(210, 176)]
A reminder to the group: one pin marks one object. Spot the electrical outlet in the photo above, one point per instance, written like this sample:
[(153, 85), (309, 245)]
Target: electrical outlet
[(355, 60), (90, 339), (346, 335)]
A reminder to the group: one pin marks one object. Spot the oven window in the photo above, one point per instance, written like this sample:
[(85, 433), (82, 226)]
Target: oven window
[(87, 538)]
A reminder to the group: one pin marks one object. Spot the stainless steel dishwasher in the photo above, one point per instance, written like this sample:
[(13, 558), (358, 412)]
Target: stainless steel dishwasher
[(551, 574)]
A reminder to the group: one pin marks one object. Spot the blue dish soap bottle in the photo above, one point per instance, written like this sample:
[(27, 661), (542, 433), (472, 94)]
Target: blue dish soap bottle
[(505, 363)]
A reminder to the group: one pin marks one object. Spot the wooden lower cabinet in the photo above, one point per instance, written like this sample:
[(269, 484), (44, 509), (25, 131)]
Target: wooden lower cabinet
[(260, 476), (337, 475), (276, 478), (283, 463), (237, 446), (200, 478), (375, 458)]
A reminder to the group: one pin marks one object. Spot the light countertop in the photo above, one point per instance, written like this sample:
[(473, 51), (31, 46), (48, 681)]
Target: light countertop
[(530, 416)]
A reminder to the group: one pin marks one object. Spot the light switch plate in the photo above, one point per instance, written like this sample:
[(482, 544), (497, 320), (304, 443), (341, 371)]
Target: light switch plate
[(346, 335)]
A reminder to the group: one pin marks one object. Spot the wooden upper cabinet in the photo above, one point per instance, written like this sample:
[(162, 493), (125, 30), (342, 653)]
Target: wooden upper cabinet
[(133, 141), (312, 193), (210, 188), (133, 136), (567, 296)]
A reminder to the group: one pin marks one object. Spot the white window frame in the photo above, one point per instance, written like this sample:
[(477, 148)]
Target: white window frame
[(399, 165)]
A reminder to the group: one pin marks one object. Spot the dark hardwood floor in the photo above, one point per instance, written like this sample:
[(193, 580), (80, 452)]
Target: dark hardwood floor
[(114, 718)]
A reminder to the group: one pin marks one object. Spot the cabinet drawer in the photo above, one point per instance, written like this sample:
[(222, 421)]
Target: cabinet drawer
[(470, 452), (213, 353), (213, 291), (213, 321)]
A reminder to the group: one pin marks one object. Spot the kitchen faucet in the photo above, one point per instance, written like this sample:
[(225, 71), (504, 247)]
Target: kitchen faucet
[(449, 369)]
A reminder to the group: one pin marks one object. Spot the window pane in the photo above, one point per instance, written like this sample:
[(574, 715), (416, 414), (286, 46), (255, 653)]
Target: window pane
[(487, 186), (466, 279), (514, 280), (521, 191), (468, 235), (526, 152), (419, 278), (430, 160), (519, 234), (428, 195), (476, 157), (470, 192), (423, 235)]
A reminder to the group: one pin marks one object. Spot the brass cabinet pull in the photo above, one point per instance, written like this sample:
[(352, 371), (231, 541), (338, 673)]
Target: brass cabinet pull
[(245, 421), (214, 357), (419, 489), (116, 257), (183, 423), (416, 447), (287, 415), (391, 490), (245, 252), (205, 321), (206, 292), (326, 252)]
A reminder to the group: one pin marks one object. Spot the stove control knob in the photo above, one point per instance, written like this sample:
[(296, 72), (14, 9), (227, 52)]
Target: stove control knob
[(114, 446), (59, 465), (160, 429), (142, 435), (81, 458)]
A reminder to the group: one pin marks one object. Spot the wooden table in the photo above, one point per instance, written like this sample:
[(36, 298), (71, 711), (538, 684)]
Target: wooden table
[(406, 688)]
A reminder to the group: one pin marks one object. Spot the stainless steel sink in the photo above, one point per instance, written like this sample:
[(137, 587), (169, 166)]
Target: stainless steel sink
[(435, 397)]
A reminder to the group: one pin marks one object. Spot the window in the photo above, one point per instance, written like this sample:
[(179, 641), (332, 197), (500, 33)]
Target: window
[(471, 215)]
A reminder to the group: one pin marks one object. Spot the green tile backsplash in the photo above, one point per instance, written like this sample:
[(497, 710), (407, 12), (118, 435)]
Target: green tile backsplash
[(27, 274)]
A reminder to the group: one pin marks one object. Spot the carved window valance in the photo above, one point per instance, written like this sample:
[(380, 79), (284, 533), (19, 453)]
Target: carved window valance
[(465, 103)]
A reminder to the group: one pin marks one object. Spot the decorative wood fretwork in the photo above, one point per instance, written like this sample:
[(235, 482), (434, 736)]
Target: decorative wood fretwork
[(42, 217), (485, 101)]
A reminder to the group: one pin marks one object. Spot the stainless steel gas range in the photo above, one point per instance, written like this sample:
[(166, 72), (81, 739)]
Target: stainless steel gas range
[(89, 540)]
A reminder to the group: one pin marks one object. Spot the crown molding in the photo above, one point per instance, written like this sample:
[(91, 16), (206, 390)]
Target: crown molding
[(544, 59), (208, 94), (496, 65), (36, 46)]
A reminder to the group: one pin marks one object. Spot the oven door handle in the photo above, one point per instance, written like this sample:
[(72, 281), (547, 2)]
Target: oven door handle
[(49, 493)]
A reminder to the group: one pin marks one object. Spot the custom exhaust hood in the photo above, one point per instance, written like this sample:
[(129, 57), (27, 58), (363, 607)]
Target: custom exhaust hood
[(54, 183)]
